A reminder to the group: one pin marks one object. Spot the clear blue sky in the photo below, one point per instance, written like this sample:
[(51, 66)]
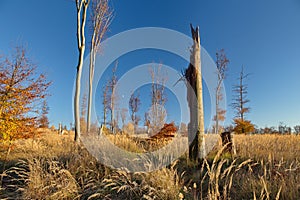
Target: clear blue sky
[(264, 36)]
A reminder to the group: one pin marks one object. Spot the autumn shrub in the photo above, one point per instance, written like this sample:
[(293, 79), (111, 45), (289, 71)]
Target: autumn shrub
[(168, 130), (243, 126)]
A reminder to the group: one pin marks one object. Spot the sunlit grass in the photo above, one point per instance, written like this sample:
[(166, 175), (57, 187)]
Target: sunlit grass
[(54, 167)]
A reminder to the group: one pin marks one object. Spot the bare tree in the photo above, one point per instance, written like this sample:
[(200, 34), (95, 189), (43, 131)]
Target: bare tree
[(105, 102), (134, 105), (113, 97), (240, 101), (297, 129), (82, 6), (156, 116), (183, 129), (284, 129), (147, 121), (101, 16), (43, 120), (124, 112), (221, 62), (117, 119), (195, 100)]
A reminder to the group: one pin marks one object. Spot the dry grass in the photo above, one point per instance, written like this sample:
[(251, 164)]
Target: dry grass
[(53, 167), (262, 146)]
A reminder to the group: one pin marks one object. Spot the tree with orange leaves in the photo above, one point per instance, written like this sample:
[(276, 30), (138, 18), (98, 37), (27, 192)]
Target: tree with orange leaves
[(21, 92)]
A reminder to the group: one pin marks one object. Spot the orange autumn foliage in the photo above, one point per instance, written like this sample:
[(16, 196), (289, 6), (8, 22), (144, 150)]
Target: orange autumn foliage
[(243, 126), (21, 90)]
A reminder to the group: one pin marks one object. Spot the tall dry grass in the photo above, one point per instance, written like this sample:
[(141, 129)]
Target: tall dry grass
[(53, 167), (262, 146)]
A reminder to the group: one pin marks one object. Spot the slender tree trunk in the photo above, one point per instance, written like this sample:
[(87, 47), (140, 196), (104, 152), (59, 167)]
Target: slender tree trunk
[(112, 114), (77, 95), (242, 100), (105, 103), (241, 97), (217, 113), (91, 77), (104, 116), (217, 106), (221, 64), (195, 100), (81, 46), (100, 18), (113, 99)]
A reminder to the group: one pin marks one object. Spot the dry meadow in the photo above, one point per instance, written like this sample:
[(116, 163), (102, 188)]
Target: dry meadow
[(52, 166)]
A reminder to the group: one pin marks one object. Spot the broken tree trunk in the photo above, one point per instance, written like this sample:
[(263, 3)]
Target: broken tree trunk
[(195, 101)]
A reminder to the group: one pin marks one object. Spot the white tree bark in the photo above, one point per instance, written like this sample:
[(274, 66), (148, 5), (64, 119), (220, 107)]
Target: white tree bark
[(91, 77), (200, 117), (81, 20), (101, 18)]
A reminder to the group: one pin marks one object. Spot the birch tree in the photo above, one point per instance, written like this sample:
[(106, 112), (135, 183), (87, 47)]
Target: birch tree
[(221, 63), (101, 16), (82, 6)]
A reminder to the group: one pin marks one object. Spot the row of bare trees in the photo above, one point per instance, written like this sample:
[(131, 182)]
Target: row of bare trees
[(155, 117), (101, 16), (109, 100)]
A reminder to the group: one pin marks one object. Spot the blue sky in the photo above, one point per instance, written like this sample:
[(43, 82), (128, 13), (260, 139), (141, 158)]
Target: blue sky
[(261, 35)]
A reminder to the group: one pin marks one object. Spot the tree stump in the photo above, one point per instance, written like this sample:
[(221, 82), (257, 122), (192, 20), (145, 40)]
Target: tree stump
[(227, 140)]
